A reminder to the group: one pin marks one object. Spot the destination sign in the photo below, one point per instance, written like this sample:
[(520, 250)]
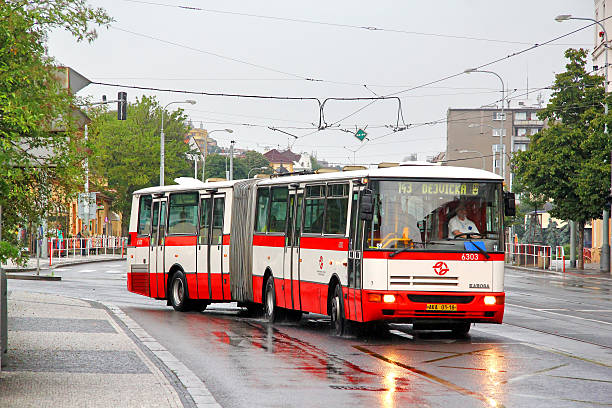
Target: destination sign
[(446, 189)]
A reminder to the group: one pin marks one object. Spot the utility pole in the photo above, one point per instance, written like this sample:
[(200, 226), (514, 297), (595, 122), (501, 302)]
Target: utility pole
[(231, 169)]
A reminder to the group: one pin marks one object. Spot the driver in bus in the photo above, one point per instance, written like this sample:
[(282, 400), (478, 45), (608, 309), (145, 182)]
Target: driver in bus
[(461, 224)]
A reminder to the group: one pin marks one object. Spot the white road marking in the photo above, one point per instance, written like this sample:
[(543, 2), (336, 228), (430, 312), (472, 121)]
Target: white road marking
[(401, 334), (559, 314), (86, 270)]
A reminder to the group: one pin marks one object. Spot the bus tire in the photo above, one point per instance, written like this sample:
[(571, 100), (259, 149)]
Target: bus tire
[(178, 292), (271, 310), (461, 330), (338, 322)]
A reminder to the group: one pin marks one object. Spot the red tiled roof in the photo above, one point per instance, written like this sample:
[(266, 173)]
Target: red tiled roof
[(287, 156)]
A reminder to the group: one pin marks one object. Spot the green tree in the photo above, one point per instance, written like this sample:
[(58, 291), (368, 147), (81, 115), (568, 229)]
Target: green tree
[(126, 153), (568, 162), (215, 166), (253, 160), (40, 150)]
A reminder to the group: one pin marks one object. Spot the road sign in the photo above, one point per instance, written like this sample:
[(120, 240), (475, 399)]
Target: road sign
[(87, 206), (361, 134)]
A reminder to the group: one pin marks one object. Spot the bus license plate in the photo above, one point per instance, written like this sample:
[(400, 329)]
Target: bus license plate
[(442, 307)]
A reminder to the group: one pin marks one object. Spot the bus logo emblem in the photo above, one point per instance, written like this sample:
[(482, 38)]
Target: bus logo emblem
[(440, 268), (321, 263)]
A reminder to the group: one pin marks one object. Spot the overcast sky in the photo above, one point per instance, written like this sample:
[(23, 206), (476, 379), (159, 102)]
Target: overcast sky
[(235, 47)]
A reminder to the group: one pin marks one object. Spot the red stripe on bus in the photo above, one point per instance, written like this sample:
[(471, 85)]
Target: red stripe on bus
[(433, 256), (181, 240), (226, 239), (140, 241), (269, 240), (333, 244)]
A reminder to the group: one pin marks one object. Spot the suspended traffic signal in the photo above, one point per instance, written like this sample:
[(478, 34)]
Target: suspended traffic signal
[(122, 106)]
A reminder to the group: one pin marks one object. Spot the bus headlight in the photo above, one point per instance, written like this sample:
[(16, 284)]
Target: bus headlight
[(389, 298), (374, 297), (489, 300)]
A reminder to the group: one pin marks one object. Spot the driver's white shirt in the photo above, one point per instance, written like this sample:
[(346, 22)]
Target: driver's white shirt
[(464, 225)]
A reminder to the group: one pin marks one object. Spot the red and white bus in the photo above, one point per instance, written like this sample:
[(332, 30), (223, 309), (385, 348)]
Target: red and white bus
[(362, 246)]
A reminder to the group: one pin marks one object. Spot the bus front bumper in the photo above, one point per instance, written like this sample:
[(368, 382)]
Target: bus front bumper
[(408, 307)]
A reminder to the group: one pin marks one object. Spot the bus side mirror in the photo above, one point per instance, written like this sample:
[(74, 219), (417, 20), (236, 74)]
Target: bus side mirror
[(366, 205), (509, 204)]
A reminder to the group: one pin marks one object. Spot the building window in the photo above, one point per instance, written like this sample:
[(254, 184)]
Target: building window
[(534, 131), (520, 116), (521, 132), (499, 116), (497, 132), (534, 115), (520, 147)]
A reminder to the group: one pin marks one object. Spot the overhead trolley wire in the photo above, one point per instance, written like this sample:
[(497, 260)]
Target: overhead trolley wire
[(338, 25)]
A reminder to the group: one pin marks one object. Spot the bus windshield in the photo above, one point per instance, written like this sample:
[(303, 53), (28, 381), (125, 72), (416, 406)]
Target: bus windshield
[(435, 215)]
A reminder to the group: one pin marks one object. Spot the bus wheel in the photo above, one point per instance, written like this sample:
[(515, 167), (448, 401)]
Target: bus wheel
[(178, 292), (461, 330), (338, 323), (271, 311)]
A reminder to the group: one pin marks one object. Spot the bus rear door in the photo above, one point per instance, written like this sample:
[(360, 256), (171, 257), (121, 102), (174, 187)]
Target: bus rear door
[(291, 255)]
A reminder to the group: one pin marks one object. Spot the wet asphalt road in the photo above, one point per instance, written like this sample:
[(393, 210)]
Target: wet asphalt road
[(553, 350)]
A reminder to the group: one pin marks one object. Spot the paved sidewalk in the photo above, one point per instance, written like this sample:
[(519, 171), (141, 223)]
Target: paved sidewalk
[(57, 262), (66, 352), (591, 270)]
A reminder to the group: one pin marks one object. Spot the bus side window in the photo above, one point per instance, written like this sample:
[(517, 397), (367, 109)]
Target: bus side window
[(337, 209), (144, 215), (183, 214), (263, 202), (314, 210), (278, 209), (217, 227), (204, 220)]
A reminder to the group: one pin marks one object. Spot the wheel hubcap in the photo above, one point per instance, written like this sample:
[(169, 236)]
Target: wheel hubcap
[(269, 301), (178, 291), (336, 311)]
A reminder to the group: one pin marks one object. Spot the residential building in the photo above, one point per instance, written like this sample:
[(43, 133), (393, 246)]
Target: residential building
[(472, 134), (599, 46), (282, 161), (201, 139), (599, 62)]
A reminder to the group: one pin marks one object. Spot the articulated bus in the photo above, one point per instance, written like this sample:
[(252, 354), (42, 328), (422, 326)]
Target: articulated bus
[(360, 246)]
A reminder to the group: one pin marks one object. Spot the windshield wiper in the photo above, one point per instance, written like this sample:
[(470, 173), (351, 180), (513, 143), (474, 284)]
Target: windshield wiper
[(482, 251)]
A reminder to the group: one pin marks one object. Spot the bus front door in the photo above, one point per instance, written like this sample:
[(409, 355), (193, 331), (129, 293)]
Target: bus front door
[(355, 258), (158, 233), (291, 264)]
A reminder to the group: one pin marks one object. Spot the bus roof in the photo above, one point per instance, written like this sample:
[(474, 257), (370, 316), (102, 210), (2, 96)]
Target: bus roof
[(404, 171)]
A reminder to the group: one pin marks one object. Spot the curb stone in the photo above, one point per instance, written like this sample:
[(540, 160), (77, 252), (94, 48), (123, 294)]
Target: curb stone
[(196, 388)]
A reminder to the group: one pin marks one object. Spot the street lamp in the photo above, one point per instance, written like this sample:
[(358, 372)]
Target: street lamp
[(206, 146), (501, 134), (162, 140), (255, 168), (474, 151), (605, 247)]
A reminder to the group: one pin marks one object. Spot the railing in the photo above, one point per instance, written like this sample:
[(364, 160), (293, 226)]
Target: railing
[(535, 256), (84, 247), (529, 255)]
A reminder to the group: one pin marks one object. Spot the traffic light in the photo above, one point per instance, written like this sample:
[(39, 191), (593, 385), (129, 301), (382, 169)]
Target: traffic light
[(122, 106)]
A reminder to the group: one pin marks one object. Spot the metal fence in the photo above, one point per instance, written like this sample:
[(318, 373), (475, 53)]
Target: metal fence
[(536, 256), (84, 247)]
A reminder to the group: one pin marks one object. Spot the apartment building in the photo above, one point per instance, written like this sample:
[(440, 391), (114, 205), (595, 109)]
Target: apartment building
[(473, 134)]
